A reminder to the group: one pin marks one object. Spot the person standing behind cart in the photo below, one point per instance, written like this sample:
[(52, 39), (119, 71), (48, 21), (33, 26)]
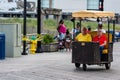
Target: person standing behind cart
[(75, 31), (84, 36), (101, 39), (62, 30), (100, 26)]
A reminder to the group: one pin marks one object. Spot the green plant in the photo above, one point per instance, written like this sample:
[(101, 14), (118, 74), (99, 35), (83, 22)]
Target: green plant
[(47, 39)]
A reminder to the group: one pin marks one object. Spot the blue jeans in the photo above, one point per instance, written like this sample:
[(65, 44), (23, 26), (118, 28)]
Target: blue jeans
[(61, 36), (101, 49)]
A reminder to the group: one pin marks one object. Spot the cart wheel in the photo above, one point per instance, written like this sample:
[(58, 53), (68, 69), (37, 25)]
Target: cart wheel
[(84, 67), (107, 65), (77, 65)]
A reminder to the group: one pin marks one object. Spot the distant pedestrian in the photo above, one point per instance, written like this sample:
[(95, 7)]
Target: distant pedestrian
[(68, 40), (75, 31), (100, 26), (61, 29)]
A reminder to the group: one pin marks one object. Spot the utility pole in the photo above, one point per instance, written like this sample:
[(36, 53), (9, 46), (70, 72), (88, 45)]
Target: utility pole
[(50, 3), (24, 29), (39, 50)]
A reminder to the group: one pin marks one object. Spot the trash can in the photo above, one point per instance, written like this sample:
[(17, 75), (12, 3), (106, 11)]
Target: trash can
[(2, 46)]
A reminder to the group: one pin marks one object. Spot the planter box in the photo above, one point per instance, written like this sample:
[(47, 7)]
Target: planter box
[(50, 47)]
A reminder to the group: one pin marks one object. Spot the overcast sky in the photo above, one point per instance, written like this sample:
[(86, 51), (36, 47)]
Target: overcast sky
[(69, 5), (72, 5)]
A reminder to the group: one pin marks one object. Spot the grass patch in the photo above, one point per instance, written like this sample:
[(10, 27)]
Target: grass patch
[(52, 24)]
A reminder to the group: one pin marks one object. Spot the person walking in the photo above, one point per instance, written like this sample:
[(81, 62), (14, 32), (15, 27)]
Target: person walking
[(62, 30)]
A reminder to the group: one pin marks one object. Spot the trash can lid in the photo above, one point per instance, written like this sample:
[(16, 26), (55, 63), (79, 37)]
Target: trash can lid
[(2, 34)]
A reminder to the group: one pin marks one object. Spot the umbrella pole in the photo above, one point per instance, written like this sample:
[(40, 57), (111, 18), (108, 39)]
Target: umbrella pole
[(108, 29), (80, 25)]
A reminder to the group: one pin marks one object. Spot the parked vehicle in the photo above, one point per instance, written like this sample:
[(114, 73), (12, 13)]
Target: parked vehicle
[(88, 53)]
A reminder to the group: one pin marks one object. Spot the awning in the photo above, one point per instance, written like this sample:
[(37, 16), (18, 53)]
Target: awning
[(94, 14)]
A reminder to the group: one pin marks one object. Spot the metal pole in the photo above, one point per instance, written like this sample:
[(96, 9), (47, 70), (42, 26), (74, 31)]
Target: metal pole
[(113, 30), (108, 29), (39, 26), (74, 29), (24, 29), (50, 3), (73, 20), (80, 25), (74, 24)]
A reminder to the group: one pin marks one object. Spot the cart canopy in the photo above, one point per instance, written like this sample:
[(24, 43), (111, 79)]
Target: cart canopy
[(92, 14)]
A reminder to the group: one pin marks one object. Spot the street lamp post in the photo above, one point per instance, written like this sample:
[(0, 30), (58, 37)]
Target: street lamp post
[(39, 26), (24, 29)]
